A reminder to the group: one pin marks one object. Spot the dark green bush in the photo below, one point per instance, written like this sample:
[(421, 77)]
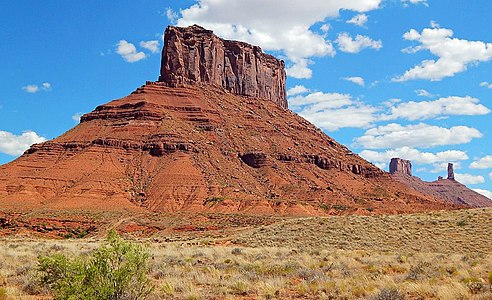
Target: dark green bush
[(116, 270)]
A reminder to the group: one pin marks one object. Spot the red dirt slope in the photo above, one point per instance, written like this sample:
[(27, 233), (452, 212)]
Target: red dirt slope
[(200, 148)]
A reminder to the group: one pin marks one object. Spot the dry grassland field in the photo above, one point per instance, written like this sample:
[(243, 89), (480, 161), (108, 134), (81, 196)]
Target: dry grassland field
[(436, 255)]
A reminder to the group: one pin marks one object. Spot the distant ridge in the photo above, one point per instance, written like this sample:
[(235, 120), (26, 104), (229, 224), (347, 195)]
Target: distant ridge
[(449, 189)]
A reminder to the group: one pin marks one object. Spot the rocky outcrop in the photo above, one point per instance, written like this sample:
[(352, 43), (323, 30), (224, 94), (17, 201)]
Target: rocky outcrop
[(450, 171), (194, 55), (401, 166)]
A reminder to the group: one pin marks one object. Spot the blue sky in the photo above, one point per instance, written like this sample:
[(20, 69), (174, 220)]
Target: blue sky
[(407, 78)]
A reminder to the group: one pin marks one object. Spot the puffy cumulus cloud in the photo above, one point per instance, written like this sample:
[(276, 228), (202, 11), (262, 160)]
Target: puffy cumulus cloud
[(34, 88), (332, 111), (419, 135), (356, 79), (152, 46), (423, 110), (359, 20), (129, 52), (454, 55), (415, 156), (486, 84), (298, 89), (287, 30), (469, 178), (482, 163), (486, 193), (347, 44), (300, 69), (15, 145)]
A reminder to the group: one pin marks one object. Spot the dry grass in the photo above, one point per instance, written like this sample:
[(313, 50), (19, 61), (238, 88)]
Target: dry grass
[(463, 231), (314, 258)]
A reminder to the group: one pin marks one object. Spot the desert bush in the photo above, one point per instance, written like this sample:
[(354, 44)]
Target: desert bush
[(3, 294), (388, 294), (116, 270)]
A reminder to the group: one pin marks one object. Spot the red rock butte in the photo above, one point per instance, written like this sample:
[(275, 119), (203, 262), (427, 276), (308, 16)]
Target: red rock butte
[(213, 134), (449, 190)]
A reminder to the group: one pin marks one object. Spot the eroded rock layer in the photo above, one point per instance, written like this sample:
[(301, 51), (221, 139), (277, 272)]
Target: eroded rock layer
[(194, 55), (200, 149)]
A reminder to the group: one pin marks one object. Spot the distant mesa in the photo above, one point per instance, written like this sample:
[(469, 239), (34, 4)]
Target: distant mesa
[(401, 166), (449, 190)]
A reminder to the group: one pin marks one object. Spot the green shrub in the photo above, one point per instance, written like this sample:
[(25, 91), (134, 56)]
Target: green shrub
[(116, 270), (3, 294)]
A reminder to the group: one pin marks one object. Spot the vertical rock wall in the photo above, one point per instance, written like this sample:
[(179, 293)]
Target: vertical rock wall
[(195, 55), (402, 166)]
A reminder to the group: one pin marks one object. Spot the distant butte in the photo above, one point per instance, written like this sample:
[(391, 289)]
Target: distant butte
[(449, 190), (212, 135)]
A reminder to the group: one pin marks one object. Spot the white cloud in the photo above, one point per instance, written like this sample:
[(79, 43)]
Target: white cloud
[(443, 166), (34, 88), (46, 86), (31, 88), (454, 55), (423, 110), (171, 15), (420, 135), (469, 178), (129, 52), (406, 2), (152, 46), (434, 24), (482, 163), (325, 28), (331, 111), (76, 117), (300, 69), (359, 20), (298, 89), (423, 93), (486, 84), (486, 193), (357, 80), (382, 166), (347, 44), (287, 30), (415, 156), (15, 145)]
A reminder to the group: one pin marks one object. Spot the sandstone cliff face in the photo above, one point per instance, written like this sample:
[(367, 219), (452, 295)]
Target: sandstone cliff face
[(401, 166), (194, 55)]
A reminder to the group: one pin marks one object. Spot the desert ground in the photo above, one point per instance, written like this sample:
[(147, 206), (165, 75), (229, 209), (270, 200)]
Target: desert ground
[(434, 255)]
